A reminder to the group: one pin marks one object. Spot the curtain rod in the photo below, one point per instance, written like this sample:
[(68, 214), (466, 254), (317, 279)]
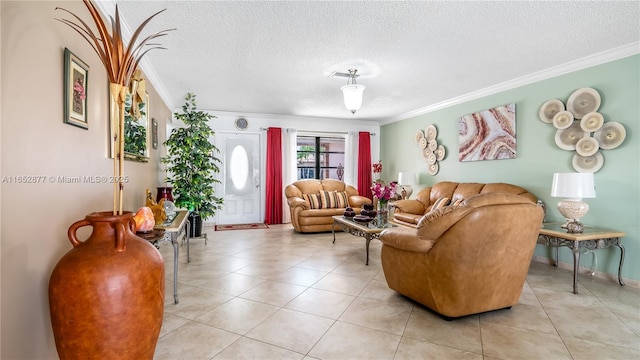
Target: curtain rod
[(321, 132)]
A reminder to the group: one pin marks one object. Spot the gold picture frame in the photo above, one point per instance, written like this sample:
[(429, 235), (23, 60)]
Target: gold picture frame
[(137, 133)]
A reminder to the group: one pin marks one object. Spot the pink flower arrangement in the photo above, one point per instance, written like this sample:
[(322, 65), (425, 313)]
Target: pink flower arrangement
[(377, 167), (383, 191), (78, 90)]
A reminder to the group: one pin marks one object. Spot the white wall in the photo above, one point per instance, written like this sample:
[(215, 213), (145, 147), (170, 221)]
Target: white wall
[(35, 141), (225, 123)]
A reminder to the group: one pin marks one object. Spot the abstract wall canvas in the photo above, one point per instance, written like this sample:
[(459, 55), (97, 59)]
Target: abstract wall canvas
[(488, 134)]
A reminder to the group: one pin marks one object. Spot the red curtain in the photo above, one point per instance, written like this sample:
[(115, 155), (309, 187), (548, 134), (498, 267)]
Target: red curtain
[(364, 164), (273, 211)]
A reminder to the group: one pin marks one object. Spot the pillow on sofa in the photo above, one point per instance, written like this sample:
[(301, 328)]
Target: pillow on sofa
[(457, 202), (440, 203), (342, 199), (313, 200), (333, 199)]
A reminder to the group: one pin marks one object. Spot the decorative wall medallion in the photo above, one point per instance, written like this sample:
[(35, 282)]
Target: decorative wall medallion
[(610, 135), (430, 150), (583, 101), (549, 109), (586, 135)]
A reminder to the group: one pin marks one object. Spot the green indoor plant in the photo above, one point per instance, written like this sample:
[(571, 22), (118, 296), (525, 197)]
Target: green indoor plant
[(192, 164)]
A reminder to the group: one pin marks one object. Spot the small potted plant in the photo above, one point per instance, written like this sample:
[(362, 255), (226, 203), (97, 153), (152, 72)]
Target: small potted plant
[(192, 165)]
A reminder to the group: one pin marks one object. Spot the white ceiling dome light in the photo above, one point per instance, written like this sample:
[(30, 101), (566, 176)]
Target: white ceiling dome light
[(352, 92)]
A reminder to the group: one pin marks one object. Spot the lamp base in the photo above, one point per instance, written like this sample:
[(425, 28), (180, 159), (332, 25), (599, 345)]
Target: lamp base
[(573, 226), (406, 191), (573, 210)]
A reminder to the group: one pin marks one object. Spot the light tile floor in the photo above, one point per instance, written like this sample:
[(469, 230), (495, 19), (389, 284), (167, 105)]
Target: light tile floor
[(276, 294)]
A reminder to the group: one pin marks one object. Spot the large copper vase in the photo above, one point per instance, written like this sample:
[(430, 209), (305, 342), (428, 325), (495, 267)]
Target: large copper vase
[(106, 295)]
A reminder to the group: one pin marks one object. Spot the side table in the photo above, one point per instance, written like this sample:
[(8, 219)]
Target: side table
[(593, 238), (173, 228)]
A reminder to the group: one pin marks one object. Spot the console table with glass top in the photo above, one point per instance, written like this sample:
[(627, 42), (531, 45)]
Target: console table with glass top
[(173, 229), (365, 230), (592, 238)]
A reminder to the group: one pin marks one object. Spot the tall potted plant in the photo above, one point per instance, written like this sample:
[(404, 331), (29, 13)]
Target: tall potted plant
[(192, 164)]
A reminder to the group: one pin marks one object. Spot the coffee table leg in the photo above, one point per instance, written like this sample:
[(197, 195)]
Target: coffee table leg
[(333, 230), (368, 237)]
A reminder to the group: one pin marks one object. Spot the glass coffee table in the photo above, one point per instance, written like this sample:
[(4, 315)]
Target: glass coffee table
[(369, 231)]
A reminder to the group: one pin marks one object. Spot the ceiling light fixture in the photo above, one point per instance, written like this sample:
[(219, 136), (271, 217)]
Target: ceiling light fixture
[(352, 92)]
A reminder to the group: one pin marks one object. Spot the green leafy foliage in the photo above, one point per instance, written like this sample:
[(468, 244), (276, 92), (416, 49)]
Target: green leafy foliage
[(135, 135), (191, 161)]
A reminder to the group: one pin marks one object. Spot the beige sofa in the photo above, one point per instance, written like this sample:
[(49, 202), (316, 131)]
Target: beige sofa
[(464, 259), (409, 212), (307, 215)]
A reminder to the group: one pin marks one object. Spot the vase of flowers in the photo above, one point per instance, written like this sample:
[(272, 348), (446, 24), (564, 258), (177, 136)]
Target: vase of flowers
[(383, 192)]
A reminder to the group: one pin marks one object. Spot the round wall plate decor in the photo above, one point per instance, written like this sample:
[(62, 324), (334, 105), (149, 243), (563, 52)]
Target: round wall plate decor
[(549, 109), (592, 121), (583, 101), (440, 153), (562, 120), (430, 132), (418, 136), (587, 146), (241, 123), (568, 138), (426, 153), (423, 143), (433, 169), (610, 135), (588, 164)]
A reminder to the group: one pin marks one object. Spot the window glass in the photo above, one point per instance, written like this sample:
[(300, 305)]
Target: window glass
[(320, 157)]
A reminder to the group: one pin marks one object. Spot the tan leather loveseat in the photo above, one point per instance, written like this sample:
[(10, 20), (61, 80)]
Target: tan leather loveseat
[(409, 212), (310, 210), (464, 259)]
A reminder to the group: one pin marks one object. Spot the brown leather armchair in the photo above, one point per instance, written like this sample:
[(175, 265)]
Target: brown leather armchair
[(409, 212), (464, 259), (305, 219)]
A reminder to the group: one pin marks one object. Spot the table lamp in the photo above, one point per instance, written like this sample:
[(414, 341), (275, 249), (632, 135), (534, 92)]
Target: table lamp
[(405, 180), (573, 187)]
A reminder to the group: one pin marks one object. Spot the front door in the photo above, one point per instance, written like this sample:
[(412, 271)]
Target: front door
[(240, 178)]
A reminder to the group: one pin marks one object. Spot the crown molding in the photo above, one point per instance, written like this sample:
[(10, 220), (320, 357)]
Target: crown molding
[(586, 62), (108, 7)]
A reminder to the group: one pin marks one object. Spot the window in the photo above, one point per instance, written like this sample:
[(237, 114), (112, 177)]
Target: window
[(320, 157)]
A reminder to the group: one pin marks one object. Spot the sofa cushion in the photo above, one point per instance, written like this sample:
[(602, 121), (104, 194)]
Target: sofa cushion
[(334, 199), (313, 200), (342, 199), (440, 203), (457, 202)]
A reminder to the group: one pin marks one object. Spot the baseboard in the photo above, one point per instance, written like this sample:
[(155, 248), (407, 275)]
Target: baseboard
[(585, 270)]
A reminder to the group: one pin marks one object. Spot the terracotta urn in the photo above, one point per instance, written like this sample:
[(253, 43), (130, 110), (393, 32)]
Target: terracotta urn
[(106, 295)]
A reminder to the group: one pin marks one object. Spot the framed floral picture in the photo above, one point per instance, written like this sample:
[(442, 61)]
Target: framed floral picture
[(76, 77)]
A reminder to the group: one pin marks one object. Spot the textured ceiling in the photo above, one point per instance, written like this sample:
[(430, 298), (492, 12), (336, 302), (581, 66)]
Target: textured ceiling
[(274, 57)]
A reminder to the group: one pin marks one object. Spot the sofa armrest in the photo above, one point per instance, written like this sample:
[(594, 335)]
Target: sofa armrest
[(357, 201), (410, 206), (405, 239), (297, 202)]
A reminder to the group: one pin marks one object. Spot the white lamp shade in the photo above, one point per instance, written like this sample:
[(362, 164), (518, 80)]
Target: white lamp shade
[(407, 178), (573, 185), (353, 96)]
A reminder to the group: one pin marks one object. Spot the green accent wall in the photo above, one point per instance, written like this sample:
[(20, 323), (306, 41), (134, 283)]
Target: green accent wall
[(617, 205)]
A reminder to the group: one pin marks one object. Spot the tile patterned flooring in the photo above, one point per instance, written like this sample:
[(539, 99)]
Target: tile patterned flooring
[(276, 294)]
